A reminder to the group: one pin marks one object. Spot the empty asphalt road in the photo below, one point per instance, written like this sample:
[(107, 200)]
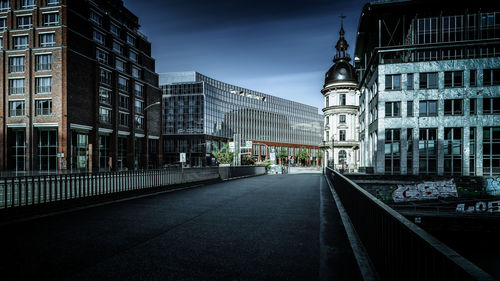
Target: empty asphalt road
[(275, 227)]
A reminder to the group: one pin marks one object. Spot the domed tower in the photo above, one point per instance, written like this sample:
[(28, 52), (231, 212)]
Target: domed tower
[(341, 110)]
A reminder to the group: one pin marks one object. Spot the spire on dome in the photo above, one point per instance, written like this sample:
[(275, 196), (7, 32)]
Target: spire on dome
[(342, 43)]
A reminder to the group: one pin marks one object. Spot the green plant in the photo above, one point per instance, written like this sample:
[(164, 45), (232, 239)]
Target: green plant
[(223, 155), (282, 155), (266, 164)]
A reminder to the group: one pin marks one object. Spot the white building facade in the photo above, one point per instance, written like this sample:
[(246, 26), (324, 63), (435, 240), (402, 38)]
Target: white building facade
[(341, 111)]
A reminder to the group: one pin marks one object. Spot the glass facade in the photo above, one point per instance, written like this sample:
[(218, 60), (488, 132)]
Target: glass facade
[(196, 104)]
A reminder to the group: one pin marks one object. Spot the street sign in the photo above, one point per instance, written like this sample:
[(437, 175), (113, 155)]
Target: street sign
[(231, 146), (182, 156), (60, 155)]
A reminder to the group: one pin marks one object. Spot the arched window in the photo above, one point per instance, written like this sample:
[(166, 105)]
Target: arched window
[(342, 157)]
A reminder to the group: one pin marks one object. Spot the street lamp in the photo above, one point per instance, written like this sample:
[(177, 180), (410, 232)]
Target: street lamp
[(136, 164)]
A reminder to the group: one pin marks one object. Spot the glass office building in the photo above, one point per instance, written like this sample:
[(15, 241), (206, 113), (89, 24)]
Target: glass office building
[(199, 112)]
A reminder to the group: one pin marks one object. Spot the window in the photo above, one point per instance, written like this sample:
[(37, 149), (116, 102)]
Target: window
[(341, 119), (342, 100), (392, 151), (4, 5), (3, 24), (123, 83), (136, 72), (472, 150), (1, 43), (327, 101), (139, 106), (409, 149), (473, 106), (124, 101), (47, 149), (489, 25), (120, 65), (491, 151), (114, 29), (16, 64), (24, 22), (133, 56), (392, 109), (123, 119), (409, 81), (342, 135), (453, 151), (453, 79), (130, 39), (427, 146), (427, 30), (491, 106), (117, 47), (16, 108), (52, 2), (51, 19), (47, 39), (342, 158), (18, 154), (26, 4), (104, 152), (96, 18), (101, 56), (105, 115), (43, 107), (43, 85), (473, 78), (452, 28), (409, 108), (138, 90), (21, 42), (43, 62), (105, 76), (428, 108), (139, 124), (99, 37), (453, 107), (105, 96), (393, 82), (16, 86), (491, 77), (428, 80)]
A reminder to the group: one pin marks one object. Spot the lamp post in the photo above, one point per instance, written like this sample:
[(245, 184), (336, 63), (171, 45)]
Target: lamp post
[(136, 161)]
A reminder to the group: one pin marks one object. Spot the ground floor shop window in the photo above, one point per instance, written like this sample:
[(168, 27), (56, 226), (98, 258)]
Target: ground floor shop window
[(122, 153), (491, 151), (47, 150), (17, 144), (104, 153), (392, 151), (453, 151), (80, 150)]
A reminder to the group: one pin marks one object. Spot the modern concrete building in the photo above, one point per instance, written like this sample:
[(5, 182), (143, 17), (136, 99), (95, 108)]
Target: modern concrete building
[(199, 112), (341, 111), (429, 76), (76, 77)]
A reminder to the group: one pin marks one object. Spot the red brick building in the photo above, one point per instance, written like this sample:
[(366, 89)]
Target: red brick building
[(76, 79)]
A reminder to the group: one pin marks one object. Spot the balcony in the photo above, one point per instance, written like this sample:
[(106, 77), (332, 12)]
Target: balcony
[(16, 112), (123, 87), (16, 68), (16, 91), (106, 119), (43, 89), (43, 111), (43, 67), (105, 100)]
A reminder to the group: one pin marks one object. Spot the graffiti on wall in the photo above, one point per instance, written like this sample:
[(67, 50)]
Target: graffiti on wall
[(424, 191), (479, 207), (493, 187)]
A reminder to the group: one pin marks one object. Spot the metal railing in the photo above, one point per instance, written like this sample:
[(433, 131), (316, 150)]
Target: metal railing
[(399, 249), (16, 68), (43, 66), (16, 191), (43, 89)]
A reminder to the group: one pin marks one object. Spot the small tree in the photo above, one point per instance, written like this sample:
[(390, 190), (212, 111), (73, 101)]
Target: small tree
[(320, 156), (247, 160), (303, 155), (282, 155), (223, 155)]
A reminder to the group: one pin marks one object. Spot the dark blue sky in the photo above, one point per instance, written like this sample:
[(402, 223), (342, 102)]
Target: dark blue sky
[(282, 48)]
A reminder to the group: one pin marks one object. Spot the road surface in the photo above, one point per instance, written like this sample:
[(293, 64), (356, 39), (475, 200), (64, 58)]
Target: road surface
[(275, 227)]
